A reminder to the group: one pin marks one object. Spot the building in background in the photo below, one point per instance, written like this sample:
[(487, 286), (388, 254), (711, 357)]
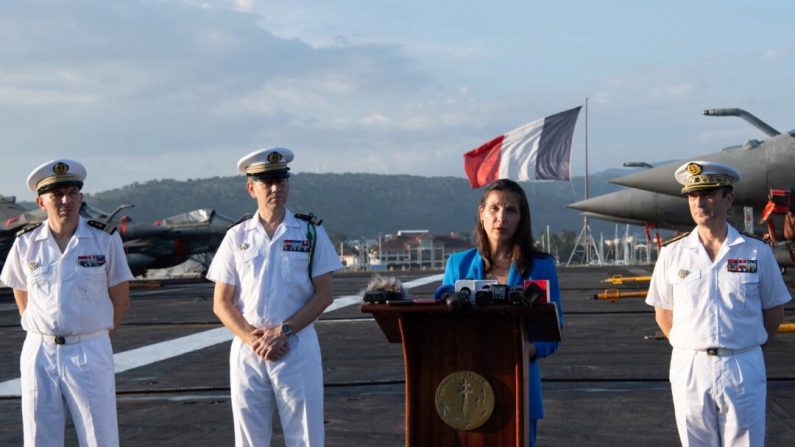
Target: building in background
[(406, 250)]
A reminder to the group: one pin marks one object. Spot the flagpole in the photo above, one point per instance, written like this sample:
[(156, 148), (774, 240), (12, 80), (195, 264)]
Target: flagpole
[(585, 245), (585, 237), (585, 218)]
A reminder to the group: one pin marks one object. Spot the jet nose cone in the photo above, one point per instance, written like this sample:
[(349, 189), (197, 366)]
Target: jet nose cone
[(639, 205), (606, 204)]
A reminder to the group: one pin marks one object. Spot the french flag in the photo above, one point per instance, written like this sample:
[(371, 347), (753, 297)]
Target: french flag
[(536, 151)]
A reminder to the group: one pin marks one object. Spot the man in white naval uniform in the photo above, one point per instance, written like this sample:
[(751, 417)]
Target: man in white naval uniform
[(719, 297), (272, 277), (70, 281)]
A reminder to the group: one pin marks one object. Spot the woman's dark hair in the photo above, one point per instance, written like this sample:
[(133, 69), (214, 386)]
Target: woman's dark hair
[(524, 249)]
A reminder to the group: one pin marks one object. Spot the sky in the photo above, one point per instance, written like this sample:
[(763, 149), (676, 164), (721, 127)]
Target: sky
[(139, 90)]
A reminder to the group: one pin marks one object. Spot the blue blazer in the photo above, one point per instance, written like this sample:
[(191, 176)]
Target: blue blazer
[(469, 265)]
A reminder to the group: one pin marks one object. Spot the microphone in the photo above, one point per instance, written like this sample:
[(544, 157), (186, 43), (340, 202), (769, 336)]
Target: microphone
[(443, 290), (382, 289), (456, 298), (533, 291)]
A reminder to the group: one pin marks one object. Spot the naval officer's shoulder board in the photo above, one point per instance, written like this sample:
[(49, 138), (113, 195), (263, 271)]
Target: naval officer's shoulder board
[(242, 219), (753, 236), (28, 228), (676, 238), (311, 218), (110, 229)]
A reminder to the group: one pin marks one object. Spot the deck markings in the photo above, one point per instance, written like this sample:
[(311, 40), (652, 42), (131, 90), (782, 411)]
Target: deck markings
[(145, 355)]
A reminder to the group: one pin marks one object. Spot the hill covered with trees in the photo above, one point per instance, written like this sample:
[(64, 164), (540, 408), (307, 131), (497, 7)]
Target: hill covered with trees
[(359, 205)]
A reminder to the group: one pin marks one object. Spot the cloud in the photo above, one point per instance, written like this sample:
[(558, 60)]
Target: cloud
[(646, 87), (779, 53), (152, 88), (245, 5), (173, 88)]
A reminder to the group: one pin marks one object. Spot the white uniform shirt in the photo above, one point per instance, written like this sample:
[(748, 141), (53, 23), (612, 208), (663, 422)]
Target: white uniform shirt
[(67, 292), (270, 274), (717, 304)]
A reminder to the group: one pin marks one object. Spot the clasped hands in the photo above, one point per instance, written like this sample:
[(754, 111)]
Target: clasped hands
[(270, 343)]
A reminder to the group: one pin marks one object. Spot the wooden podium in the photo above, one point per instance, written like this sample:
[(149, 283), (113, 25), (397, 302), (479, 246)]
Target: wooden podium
[(441, 350)]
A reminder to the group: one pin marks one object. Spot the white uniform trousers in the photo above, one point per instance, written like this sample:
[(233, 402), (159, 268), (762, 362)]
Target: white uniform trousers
[(719, 400), (293, 384), (78, 375)]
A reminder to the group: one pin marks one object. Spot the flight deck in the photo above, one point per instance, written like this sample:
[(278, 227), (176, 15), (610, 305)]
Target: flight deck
[(606, 385)]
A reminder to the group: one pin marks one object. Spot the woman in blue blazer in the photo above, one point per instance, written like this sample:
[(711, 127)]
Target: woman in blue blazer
[(505, 251)]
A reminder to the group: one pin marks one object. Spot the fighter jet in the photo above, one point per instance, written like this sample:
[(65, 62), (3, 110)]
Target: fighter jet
[(171, 241), (165, 243), (639, 207), (9, 207), (767, 167), (10, 212)]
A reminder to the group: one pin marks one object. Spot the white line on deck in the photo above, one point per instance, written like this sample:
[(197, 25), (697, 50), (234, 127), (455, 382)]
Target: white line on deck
[(164, 350)]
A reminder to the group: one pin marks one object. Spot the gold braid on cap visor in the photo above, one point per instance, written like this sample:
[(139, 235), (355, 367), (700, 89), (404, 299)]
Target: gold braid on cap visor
[(704, 181), (260, 168), (53, 179)]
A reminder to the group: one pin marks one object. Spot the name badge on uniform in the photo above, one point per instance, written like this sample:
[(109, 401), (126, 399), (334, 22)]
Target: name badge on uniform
[(293, 245), (91, 260), (742, 265)]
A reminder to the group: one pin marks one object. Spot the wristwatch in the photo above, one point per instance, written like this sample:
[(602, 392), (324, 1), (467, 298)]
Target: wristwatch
[(286, 329)]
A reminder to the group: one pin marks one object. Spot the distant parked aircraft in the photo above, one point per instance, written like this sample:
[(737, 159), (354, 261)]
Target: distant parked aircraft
[(165, 243)]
